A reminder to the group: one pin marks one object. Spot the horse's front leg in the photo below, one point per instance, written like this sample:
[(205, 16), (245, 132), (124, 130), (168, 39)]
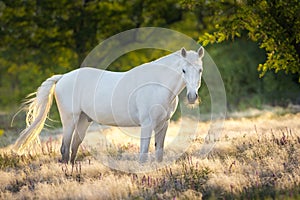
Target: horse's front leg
[(160, 134), (145, 141)]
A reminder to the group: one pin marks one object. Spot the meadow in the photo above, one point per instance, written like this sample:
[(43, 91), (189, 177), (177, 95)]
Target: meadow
[(255, 158)]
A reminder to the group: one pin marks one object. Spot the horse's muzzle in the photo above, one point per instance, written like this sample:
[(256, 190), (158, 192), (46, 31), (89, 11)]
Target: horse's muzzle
[(192, 97)]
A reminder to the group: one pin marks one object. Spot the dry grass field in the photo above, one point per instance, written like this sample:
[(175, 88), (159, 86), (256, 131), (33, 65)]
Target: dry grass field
[(255, 158)]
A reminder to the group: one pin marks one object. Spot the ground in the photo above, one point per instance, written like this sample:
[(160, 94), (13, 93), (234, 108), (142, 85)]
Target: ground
[(254, 158)]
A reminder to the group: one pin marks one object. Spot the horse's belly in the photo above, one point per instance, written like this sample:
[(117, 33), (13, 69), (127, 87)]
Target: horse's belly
[(113, 112), (114, 117), (118, 122)]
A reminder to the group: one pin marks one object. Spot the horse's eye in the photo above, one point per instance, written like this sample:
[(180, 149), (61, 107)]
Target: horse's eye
[(183, 71)]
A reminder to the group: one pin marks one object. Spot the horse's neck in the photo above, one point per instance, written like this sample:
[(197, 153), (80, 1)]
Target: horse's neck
[(172, 61), (169, 60)]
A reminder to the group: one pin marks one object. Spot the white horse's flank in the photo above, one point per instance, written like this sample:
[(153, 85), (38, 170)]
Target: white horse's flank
[(144, 96)]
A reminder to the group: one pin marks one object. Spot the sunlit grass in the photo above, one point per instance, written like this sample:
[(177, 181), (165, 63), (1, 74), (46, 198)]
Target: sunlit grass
[(256, 158)]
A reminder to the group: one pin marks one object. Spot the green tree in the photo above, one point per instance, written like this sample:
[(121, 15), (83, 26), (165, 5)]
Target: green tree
[(274, 25), (42, 38)]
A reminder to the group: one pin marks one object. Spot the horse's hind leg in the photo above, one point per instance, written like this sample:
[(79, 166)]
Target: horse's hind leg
[(79, 134), (68, 122)]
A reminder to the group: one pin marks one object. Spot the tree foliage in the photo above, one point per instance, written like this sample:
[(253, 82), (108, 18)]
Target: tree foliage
[(275, 25), (40, 38), (236, 62)]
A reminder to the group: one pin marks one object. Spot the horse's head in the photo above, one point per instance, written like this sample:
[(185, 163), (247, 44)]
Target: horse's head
[(191, 69)]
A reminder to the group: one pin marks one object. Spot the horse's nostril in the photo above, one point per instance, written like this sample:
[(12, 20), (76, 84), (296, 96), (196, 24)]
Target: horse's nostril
[(196, 95)]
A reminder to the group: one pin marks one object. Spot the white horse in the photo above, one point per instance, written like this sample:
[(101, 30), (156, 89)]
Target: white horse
[(144, 96)]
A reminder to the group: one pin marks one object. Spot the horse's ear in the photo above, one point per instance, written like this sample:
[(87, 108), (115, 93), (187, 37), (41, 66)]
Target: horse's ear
[(200, 52), (183, 52)]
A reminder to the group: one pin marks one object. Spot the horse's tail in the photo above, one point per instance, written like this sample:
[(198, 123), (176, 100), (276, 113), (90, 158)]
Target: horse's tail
[(38, 109)]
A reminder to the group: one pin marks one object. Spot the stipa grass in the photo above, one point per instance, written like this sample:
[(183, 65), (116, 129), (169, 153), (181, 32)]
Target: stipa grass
[(257, 158), (171, 182), (9, 161)]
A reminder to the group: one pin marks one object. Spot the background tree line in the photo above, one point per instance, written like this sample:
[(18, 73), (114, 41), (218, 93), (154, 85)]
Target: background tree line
[(246, 39)]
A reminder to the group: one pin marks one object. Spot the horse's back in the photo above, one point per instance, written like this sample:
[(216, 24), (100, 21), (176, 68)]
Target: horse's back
[(94, 92), (78, 87)]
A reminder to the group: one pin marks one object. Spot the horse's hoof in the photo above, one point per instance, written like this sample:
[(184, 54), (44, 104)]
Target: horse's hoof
[(143, 158), (62, 161)]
